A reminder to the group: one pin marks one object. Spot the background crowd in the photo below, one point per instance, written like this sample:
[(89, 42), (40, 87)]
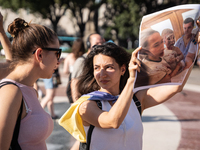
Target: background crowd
[(27, 63)]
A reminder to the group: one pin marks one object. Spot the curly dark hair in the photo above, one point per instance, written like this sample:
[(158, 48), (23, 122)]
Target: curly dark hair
[(87, 82)]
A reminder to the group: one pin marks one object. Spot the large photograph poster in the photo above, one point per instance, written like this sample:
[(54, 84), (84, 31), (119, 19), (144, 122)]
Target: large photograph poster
[(169, 47)]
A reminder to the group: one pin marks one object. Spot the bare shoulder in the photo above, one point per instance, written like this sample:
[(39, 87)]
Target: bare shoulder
[(11, 87), (10, 101), (70, 55), (87, 106), (10, 93)]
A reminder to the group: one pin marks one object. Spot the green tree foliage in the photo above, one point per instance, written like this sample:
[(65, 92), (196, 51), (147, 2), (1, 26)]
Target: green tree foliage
[(151, 6), (122, 20), (77, 8), (55, 9), (12, 4), (51, 9), (123, 17)]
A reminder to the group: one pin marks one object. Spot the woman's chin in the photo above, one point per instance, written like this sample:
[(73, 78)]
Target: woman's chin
[(47, 77)]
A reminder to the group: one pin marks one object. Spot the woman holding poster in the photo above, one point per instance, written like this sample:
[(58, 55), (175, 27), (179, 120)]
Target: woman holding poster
[(107, 115), (106, 104)]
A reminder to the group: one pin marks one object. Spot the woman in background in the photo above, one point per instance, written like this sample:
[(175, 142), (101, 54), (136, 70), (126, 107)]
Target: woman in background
[(77, 51)]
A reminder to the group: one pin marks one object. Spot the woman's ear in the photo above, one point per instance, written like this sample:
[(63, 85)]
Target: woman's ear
[(38, 54), (123, 69)]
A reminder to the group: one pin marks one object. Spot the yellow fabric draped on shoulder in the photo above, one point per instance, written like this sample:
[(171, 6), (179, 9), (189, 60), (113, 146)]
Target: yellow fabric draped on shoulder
[(72, 121)]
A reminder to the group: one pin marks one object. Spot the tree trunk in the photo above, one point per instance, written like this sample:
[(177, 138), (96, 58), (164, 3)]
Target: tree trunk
[(82, 29), (96, 19), (54, 26)]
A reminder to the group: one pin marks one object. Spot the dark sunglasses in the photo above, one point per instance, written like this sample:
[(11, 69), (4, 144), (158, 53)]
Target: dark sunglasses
[(52, 49)]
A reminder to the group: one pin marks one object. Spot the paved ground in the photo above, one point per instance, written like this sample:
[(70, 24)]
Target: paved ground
[(180, 129), (170, 126), (186, 107)]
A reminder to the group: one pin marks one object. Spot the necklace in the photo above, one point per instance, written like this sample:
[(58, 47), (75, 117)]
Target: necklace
[(186, 40)]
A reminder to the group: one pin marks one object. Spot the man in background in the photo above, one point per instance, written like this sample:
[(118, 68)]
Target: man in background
[(93, 39), (183, 43)]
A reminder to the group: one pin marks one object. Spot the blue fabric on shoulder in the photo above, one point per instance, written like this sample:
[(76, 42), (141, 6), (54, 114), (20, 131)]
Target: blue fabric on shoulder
[(98, 95)]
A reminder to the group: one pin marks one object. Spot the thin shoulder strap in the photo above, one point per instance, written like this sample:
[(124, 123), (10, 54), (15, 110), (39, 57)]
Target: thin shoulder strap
[(6, 82), (91, 128), (138, 104), (83, 57), (14, 141)]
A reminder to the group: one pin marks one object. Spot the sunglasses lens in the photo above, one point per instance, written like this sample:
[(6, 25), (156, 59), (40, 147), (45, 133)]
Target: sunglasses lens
[(58, 54)]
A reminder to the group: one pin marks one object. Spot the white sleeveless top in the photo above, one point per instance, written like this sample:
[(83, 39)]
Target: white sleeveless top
[(127, 137), (71, 67)]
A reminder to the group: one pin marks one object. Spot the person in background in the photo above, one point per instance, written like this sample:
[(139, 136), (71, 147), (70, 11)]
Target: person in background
[(198, 60), (35, 54), (92, 39), (78, 50), (4, 66), (47, 100), (192, 51), (190, 57), (38, 89), (183, 43)]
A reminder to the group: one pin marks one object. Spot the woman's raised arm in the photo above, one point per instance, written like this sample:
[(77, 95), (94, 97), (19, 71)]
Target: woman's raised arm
[(4, 66), (5, 41)]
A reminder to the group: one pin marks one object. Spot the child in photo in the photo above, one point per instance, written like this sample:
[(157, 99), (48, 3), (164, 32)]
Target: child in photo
[(172, 54)]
